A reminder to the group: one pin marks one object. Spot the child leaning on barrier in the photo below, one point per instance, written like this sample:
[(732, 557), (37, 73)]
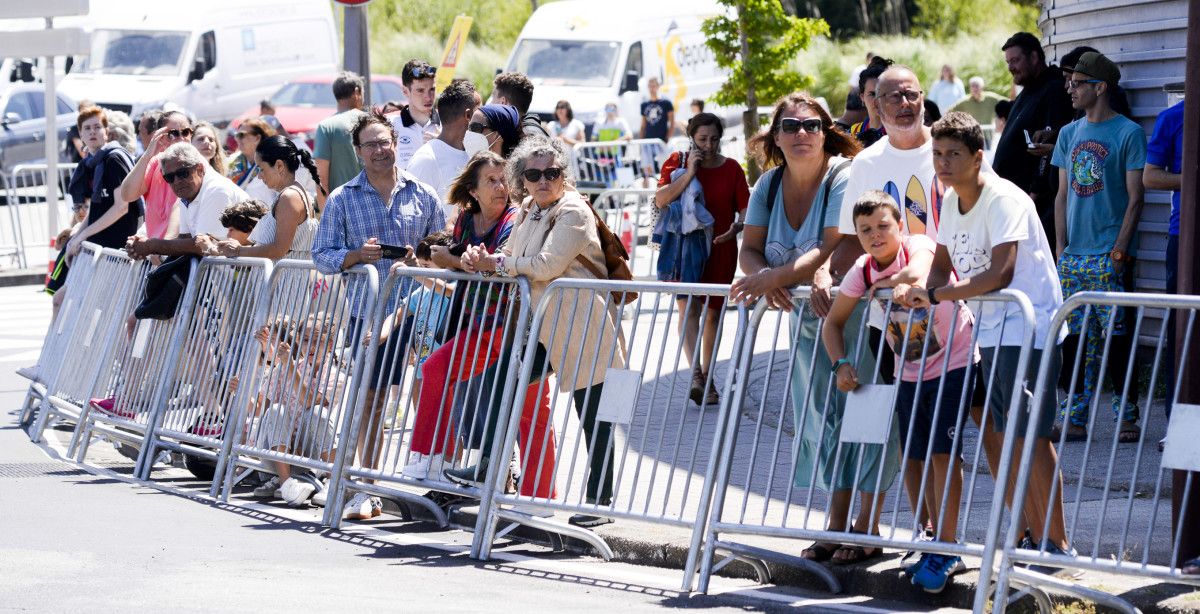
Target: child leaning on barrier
[(304, 385), (990, 239), (934, 358)]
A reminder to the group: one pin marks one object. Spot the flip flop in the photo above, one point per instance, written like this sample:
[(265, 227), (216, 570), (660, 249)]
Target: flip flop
[(819, 552), (1130, 433), (858, 554)]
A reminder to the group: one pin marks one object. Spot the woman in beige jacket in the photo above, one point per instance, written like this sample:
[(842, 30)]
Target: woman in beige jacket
[(555, 236)]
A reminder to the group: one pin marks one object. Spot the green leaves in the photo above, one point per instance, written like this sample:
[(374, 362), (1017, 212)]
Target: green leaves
[(772, 39)]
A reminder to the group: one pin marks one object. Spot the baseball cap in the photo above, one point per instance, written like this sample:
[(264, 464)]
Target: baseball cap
[(1096, 66)]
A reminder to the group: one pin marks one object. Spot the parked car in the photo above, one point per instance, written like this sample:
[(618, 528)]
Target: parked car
[(23, 126), (301, 104)]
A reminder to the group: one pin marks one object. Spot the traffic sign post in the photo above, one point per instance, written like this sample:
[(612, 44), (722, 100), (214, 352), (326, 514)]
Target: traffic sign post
[(355, 54)]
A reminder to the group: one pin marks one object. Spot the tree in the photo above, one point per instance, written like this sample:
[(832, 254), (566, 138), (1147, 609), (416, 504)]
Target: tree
[(756, 40)]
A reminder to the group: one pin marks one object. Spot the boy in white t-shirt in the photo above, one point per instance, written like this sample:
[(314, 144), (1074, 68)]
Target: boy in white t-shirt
[(935, 357), (990, 237)]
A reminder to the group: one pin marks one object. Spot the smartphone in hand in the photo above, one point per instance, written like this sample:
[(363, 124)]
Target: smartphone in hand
[(404, 254)]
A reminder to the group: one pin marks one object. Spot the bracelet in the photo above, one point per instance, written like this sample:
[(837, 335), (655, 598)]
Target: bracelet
[(932, 299), (838, 365), (764, 270), (500, 265)]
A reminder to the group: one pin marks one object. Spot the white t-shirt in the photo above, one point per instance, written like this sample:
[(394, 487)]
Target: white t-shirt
[(437, 164), (203, 214), (605, 130), (410, 138), (1003, 213), (574, 130), (906, 174)]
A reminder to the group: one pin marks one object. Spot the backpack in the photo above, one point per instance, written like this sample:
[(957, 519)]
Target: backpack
[(616, 259)]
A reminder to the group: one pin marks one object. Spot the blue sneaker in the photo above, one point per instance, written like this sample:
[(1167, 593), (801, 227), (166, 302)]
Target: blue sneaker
[(910, 569), (936, 570)]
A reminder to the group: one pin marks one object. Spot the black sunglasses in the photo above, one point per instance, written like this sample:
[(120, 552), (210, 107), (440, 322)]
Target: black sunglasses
[(791, 125), (478, 127), (423, 72), (534, 175), (178, 174), (185, 133)]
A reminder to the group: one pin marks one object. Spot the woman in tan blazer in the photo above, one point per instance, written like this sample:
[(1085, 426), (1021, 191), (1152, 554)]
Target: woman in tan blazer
[(555, 236)]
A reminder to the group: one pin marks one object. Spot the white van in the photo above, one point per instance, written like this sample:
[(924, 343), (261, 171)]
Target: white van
[(213, 58), (591, 53)]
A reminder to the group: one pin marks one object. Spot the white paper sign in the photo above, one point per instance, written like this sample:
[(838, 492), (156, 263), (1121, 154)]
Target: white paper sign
[(625, 175), (619, 397), (868, 414), (87, 340), (141, 339), (1183, 431)]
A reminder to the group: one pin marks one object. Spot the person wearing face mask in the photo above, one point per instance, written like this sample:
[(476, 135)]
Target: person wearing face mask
[(288, 230), (723, 185), (146, 181), (613, 127), (439, 161), (495, 128)]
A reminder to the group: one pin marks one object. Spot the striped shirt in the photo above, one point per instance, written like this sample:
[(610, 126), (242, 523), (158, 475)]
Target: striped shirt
[(355, 212)]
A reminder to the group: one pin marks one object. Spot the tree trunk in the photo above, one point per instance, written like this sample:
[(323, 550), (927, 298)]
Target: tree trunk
[(750, 117), (864, 17)]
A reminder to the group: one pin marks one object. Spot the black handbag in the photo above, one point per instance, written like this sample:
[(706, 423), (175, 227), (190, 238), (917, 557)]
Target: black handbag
[(164, 288)]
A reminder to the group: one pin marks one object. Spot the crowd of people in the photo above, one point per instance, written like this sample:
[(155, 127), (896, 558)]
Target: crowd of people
[(883, 197)]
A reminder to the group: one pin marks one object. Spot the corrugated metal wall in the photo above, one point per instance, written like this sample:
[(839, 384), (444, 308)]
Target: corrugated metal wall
[(1148, 40)]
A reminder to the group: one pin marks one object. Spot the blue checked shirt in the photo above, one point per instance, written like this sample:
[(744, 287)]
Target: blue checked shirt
[(356, 212)]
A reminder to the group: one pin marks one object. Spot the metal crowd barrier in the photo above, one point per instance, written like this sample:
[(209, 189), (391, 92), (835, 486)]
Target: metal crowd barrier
[(58, 337), (604, 165), (629, 213), (302, 336), (792, 437), (1113, 495), (464, 330), (103, 307), (641, 449), (25, 228)]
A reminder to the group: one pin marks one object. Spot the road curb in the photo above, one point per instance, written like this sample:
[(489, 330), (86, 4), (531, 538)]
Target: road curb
[(22, 277)]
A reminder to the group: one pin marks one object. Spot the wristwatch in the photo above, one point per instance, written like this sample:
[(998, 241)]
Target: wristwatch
[(932, 299)]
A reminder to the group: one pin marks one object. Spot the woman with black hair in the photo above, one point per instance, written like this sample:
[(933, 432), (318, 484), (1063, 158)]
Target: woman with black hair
[(290, 227)]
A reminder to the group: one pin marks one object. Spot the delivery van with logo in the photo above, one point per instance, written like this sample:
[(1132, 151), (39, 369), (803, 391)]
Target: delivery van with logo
[(592, 53), (213, 58)]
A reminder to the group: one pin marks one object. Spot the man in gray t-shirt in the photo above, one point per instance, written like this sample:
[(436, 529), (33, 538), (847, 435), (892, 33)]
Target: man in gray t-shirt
[(334, 152)]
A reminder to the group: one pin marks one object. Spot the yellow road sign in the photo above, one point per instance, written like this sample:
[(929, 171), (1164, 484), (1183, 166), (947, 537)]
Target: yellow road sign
[(455, 45)]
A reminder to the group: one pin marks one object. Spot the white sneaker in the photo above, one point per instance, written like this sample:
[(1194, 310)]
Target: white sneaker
[(322, 494), (296, 492), (424, 466), (269, 489), (361, 507), (376, 506)]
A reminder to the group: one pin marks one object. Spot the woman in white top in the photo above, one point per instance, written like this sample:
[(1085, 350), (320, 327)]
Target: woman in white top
[(947, 90), (565, 126), (290, 227)]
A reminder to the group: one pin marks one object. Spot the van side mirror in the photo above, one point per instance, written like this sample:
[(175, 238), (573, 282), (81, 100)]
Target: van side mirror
[(10, 118), (630, 84), (197, 72)]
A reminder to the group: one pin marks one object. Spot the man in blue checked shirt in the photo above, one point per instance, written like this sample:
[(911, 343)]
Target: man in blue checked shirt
[(357, 221)]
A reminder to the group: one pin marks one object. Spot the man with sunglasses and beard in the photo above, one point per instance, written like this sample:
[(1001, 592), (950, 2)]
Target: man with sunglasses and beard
[(202, 195), (146, 178)]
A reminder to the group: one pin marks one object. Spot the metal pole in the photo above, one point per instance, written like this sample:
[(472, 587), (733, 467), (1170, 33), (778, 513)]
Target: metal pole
[(51, 104), (355, 52), (1189, 280)]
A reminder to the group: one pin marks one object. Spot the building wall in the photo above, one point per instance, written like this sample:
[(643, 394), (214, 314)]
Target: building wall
[(1148, 40)]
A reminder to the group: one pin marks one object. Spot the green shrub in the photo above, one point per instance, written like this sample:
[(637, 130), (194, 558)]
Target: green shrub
[(390, 50)]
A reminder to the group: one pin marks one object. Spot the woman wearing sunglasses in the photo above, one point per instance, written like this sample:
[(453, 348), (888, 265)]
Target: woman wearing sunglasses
[(251, 132), (555, 236), (791, 230), (495, 128), (146, 177)]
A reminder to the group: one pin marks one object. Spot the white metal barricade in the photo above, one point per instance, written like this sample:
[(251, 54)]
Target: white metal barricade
[(24, 232), (1110, 499), (605, 165), (411, 422), (630, 214), (793, 439), (296, 383), (635, 411), (60, 332), (103, 307)]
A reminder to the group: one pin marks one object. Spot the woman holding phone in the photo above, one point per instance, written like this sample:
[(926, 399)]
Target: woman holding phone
[(726, 196)]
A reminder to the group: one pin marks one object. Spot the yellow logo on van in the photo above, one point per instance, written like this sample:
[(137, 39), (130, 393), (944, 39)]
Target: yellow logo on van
[(674, 87)]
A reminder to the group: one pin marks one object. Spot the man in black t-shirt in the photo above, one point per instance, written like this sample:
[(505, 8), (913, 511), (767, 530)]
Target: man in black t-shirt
[(658, 115), (1041, 110), (514, 88)]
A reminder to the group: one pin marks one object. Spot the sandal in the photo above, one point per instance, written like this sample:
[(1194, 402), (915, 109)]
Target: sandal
[(1074, 433), (856, 554), (819, 552), (1130, 432)]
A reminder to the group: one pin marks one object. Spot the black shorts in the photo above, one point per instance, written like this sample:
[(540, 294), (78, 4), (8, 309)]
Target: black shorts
[(390, 358), (944, 427)]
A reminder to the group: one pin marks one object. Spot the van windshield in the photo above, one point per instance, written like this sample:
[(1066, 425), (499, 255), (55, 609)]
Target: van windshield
[(566, 62), (135, 52)]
